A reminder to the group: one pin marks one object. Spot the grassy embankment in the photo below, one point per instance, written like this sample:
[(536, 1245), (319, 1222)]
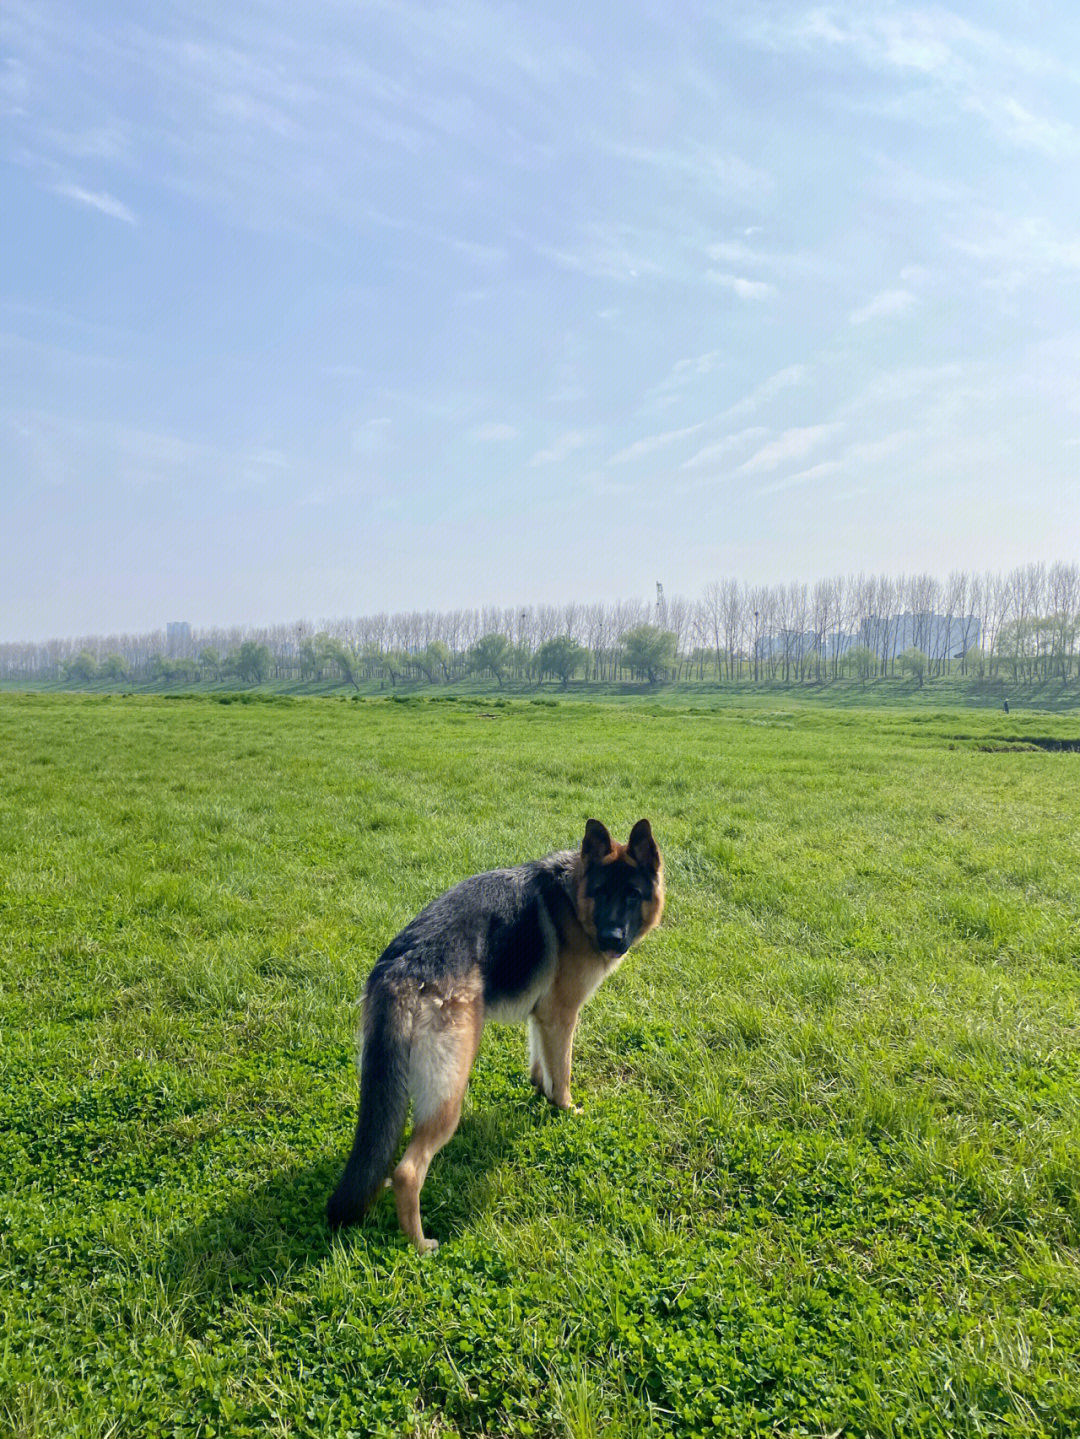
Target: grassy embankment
[(825, 1180), (894, 691)]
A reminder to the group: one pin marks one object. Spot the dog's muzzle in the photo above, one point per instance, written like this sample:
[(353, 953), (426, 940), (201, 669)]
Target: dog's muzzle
[(612, 945)]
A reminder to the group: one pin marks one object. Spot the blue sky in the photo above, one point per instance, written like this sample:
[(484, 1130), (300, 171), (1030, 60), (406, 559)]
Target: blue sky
[(324, 310)]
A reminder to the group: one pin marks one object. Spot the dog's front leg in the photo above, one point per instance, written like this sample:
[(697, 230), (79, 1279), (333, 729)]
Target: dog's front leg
[(561, 1058), (554, 1035), (539, 1074)]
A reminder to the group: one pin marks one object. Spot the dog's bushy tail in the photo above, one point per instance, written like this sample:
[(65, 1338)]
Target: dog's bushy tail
[(384, 1101)]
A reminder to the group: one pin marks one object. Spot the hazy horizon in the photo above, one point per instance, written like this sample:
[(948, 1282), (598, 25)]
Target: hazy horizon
[(411, 308), (839, 603)]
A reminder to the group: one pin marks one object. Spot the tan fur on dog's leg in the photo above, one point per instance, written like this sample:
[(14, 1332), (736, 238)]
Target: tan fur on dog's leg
[(561, 1049), (409, 1176), (555, 1036), (446, 1037), (537, 1077)]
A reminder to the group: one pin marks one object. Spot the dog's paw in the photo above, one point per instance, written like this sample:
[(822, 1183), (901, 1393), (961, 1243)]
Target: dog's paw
[(427, 1246)]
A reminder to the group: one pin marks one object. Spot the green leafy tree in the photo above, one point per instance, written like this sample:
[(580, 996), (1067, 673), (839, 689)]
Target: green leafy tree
[(253, 662), (702, 658), (312, 656), (561, 656), (861, 661), (371, 657), (434, 661), (648, 650), (113, 667), (346, 659), (1066, 629), (1037, 647), (523, 661), (82, 668), (975, 661), (209, 663), (395, 663), (491, 654), (1014, 644), (913, 662)]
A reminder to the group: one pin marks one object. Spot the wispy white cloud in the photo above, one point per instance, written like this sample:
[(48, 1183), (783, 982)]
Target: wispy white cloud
[(606, 251), (908, 184), (963, 68), (713, 455), (1033, 132), (284, 126), (484, 255), (110, 141), (372, 437), (275, 459), (14, 85), (887, 304), (493, 432), (565, 445), (567, 394), (685, 372), (819, 471), (741, 255), (1020, 249), (855, 460), (791, 445), (870, 451), (153, 457), (908, 388), (601, 483), (784, 379), (746, 289), (649, 444), (707, 169), (63, 450), (98, 200), (734, 252)]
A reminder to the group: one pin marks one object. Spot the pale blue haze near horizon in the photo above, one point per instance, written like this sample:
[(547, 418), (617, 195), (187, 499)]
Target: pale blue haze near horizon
[(323, 310)]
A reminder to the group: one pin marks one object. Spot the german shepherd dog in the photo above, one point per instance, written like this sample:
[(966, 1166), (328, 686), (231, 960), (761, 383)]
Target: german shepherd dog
[(526, 943)]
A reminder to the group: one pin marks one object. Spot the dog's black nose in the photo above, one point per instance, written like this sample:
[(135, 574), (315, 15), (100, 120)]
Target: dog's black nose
[(613, 939)]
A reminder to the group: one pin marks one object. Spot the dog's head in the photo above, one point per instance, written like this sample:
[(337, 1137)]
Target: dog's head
[(621, 891)]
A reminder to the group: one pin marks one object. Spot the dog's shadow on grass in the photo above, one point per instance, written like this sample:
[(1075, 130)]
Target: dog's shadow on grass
[(265, 1236)]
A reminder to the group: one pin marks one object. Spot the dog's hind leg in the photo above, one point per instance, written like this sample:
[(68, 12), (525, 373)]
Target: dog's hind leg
[(445, 1042)]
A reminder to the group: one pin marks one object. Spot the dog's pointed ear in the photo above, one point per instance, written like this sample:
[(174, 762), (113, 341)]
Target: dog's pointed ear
[(641, 847), (597, 844)]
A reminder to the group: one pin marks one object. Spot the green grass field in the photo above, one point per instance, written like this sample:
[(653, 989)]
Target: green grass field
[(826, 1177)]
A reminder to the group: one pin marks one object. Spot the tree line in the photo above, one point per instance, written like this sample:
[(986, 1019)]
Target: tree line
[(1023, 626)]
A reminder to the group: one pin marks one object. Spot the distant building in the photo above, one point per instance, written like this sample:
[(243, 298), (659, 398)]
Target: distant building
[(940, 637), (178, 637)]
